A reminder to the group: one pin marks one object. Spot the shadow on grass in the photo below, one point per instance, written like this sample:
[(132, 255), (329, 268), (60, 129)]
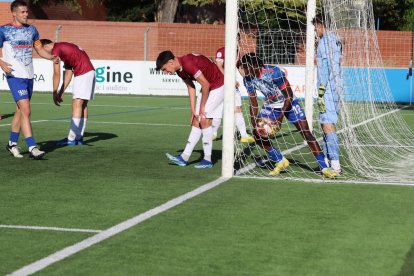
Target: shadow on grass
[(89, 139), (408, 267), (5, 116)]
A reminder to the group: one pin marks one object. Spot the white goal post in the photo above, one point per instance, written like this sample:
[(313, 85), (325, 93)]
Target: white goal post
[(375, 142)]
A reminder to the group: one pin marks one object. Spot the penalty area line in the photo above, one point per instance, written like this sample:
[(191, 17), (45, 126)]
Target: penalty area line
[(49, 228), (114, 230)]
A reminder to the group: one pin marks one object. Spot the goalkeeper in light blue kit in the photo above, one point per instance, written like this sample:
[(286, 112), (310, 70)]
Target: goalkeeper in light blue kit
[(328, 59), (279, 102)]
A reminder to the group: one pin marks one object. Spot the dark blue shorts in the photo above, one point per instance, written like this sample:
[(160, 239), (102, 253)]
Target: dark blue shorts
[(20, 88), (296, 113)]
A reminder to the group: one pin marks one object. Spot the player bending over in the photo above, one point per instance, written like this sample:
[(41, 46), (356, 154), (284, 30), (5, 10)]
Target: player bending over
[(76, 62), (279, 102), (209, 105)]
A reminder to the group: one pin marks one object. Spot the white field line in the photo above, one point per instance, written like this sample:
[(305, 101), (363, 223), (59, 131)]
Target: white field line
[(251, 166), (114, 230), (110, 105), (114, 123), (38, 121), (49, 228), (335, 181)]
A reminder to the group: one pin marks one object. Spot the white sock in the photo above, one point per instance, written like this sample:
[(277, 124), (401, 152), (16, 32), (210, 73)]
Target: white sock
[(215, 124), (240, 124), (83, 126), (193, 139), (335, 165), (207, 142), (74, 128)]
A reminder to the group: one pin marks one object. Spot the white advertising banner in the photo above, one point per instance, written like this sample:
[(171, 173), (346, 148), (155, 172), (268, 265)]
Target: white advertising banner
[(139, 78)]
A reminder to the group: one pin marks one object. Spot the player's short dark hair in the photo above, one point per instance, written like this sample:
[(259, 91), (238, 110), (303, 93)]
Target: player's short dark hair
[(251, 60), (45, 41), (17, 3), (163, 58), (316, 20)]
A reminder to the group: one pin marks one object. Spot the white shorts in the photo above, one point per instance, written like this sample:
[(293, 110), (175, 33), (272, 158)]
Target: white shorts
[(237, 99), (84, 86), (214, 104)]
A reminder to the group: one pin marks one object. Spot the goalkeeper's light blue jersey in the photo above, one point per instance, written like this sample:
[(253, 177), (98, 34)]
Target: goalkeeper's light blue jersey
[(270, 83), (328, 59)]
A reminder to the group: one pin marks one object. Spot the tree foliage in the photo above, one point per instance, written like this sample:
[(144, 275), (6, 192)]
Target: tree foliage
[(392, 14)]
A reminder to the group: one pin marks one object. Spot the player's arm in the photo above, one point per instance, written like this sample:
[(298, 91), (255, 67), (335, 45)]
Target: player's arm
[(37, 45), (192, 96), (205, 90), (67, 77), (56, 81), (287, 105), (220, 65), (254, 109), (254, 105)]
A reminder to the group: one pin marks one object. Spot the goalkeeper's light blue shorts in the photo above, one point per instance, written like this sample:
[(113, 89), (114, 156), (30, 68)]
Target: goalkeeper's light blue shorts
[(332, 108), (293, 115)]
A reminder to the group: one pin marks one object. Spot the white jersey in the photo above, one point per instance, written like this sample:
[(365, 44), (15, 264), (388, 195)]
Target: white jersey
[(17, 44)]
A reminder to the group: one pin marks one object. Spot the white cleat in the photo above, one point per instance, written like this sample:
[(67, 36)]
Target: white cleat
[(36, 153), (14, 150)]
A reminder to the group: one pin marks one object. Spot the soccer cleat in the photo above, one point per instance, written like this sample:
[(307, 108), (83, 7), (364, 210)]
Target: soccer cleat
[(204, 164), (177, 160), (66, 142), (248, 139), (36, 153), (14, 150), (280, 166), (329, 173)]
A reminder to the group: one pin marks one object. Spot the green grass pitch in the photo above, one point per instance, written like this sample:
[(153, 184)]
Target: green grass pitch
[(242, 227)]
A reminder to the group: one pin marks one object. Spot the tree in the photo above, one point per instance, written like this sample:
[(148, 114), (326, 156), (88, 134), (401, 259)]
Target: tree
[(394, 14), (165, 10)]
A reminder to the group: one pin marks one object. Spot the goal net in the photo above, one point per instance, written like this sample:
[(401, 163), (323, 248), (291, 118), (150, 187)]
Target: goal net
[(376, 144)]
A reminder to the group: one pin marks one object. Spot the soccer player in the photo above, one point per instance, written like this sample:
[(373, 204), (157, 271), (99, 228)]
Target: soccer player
[(17, 40), (238, 112), (328, 60), (209, 105), (279, 102), (77, 64)]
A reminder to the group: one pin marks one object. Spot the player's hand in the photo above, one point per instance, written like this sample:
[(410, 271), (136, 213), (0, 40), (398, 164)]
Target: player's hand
[(55, 59), (57, 98), (321, 99), (321, 91), (6, 67), (201, 114)]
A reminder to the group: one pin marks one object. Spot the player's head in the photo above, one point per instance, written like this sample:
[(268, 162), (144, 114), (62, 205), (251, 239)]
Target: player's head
[(166, 62), (47, 44), (250, 65), (319, 26), (19, 11)]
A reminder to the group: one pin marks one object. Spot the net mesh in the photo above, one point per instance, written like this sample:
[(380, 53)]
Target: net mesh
[(376, 144)]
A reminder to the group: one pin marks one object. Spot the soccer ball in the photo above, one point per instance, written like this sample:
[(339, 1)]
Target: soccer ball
[(267, 128)]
